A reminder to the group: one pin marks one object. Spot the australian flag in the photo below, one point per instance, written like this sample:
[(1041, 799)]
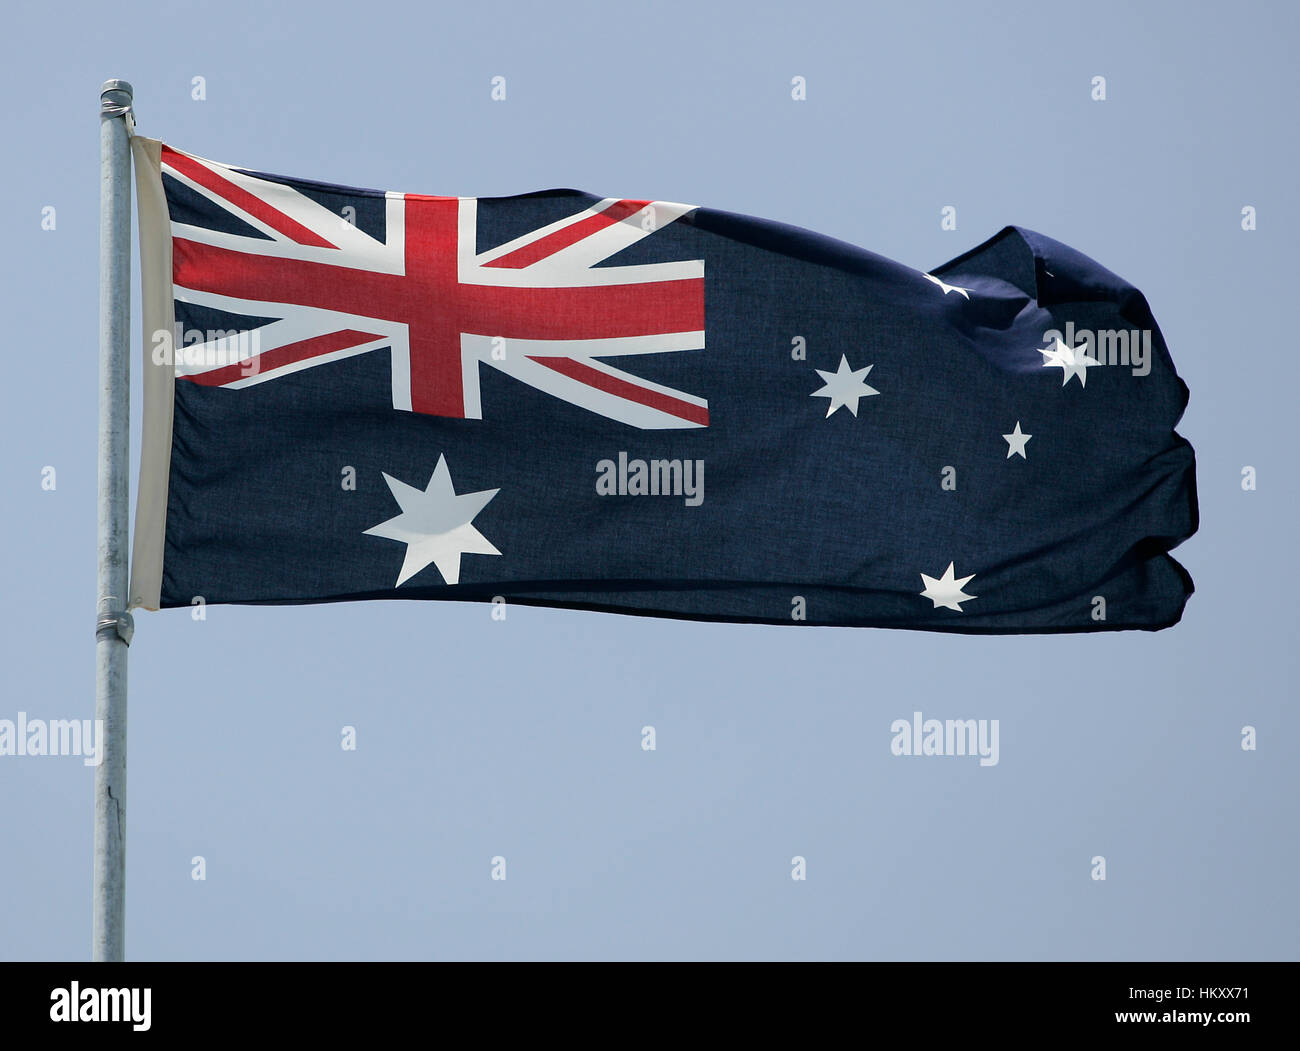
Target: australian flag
[(642, 407)]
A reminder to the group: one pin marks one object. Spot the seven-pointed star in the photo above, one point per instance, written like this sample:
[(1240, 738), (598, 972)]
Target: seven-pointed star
[(1016, 441), (947, 288), (1073, 361), (844, 386), (947, 590), (435, 525)]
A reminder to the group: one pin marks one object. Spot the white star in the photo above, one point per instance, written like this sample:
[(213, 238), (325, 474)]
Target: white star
[(435, 525), (947, 288), (1016, 443), (947, 591), (1073, 361), (844, 386)]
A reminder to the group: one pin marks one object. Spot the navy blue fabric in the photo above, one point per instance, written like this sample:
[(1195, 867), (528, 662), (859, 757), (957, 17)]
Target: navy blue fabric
[(844, 512)]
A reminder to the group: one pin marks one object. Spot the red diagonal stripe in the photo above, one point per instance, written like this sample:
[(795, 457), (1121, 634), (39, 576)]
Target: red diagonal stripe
[(571, 234), (281, 356), (241, 198), (603, 381)]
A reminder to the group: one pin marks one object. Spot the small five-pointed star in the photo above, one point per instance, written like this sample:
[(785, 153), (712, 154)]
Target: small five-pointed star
[(844, 387), (947, 288), (947, 590), (435, 525), (1016, 441), (1072, 361)]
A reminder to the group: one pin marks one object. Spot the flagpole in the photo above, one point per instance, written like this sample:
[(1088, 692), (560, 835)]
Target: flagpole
[(113, 625)]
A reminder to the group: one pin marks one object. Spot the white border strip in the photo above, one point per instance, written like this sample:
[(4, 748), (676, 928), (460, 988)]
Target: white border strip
[(158, 309)]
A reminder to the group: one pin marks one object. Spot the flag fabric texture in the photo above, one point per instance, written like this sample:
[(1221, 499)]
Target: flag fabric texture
[(642, 407)]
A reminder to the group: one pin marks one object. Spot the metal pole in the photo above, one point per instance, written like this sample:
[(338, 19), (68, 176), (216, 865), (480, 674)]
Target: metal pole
[(113, 623)]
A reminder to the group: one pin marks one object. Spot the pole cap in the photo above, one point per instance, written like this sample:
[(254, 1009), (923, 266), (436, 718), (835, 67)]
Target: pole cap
[(115, 100)]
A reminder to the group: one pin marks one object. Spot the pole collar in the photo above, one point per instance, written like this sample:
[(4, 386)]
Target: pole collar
[(119, 623)]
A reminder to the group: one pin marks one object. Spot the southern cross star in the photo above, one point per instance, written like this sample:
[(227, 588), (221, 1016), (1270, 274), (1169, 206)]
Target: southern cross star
[(946, 287), (1016, 442), (947, 590), (1072, 361), (844, 387)]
